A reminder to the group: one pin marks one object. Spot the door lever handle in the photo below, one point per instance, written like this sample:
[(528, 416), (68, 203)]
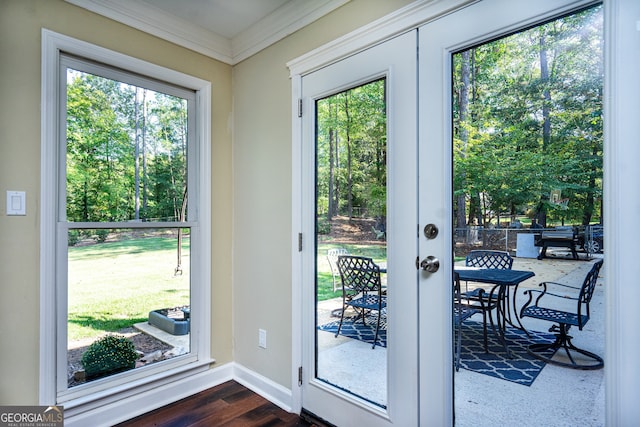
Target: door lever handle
[(430, 264)]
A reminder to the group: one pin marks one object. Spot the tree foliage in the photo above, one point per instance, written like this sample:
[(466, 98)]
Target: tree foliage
[(126, 151), (528, 122), (351, 152)]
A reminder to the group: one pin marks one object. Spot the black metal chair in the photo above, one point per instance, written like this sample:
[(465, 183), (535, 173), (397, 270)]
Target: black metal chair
[(361, 289), (564, 319), (478, 298), (489, 259), (461, 312)]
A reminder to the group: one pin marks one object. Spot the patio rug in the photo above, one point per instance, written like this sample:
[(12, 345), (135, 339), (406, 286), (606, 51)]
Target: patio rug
[(352, 327), (522, 369)]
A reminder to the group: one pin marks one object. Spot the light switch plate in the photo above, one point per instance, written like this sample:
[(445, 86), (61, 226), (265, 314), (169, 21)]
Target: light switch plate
[(262, 338), (16, 203)]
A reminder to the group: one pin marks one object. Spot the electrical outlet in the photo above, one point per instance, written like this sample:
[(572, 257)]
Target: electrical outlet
[(262, 338)]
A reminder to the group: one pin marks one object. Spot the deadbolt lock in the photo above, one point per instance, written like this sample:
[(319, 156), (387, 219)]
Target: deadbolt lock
[(430, 231)]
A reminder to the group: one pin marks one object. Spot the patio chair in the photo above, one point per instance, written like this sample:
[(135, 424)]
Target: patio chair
[(361, 290), (332, 258), (478, 298), (461, 312), (564, 319), (489, 259)]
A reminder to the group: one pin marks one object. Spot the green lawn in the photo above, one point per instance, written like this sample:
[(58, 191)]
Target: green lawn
[(325, 283), (115, 284)]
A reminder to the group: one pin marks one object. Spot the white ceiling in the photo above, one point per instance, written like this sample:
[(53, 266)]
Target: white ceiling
[(226, 30)]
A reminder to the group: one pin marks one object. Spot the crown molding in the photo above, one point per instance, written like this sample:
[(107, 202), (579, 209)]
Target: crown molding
[(152, 20), (404, 19), (284, 21)]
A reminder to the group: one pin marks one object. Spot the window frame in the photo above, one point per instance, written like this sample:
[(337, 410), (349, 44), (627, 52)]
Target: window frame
[(53, 225)]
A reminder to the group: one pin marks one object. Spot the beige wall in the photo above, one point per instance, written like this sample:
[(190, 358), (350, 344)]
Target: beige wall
[(262, 188), (21, 22), (251, 182)]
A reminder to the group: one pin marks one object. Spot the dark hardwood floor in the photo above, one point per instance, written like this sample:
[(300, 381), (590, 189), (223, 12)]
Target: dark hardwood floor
[(229, 405)]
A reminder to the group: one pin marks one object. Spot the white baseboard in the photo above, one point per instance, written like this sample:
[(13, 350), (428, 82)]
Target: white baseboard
[(158, 397), (270, 390)]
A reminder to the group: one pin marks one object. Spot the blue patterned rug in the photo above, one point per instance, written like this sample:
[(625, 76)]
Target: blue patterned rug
[(352, 327), (521, 369)]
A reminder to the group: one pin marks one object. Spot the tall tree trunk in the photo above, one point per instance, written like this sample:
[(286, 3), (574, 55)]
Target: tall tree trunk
[(349, 165), (144, 154), (589, 206), (463, 109), (331, 207), (137, 161), (541, 212)]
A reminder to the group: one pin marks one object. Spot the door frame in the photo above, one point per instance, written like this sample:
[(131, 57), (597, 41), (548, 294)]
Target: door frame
[(622, 108), (437, 45), (403, 20)]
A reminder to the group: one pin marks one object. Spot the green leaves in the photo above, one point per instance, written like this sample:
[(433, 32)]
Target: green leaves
[(352, 152), (126, 151), (528, 129), (108, 355)]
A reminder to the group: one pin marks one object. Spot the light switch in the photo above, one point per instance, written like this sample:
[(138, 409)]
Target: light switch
[(16, 203)]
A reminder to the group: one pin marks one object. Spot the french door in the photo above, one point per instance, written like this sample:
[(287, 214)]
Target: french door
[(359, 196), (439, 40), (407, 378)]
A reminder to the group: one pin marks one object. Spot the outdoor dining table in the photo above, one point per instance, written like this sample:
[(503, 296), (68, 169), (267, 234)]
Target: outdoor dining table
[(502, 281)]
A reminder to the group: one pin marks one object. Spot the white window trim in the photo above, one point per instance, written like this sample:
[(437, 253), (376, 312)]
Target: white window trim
[(51, 101)]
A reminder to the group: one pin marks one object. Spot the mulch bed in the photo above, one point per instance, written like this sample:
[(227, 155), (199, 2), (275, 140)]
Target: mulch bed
[(143, 343), (352, 231)]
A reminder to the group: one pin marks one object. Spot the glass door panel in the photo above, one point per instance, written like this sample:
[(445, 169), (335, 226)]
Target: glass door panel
[(359, 204), (351, 201)]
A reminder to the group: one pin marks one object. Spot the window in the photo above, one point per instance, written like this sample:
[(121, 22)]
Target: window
[(126, 208)]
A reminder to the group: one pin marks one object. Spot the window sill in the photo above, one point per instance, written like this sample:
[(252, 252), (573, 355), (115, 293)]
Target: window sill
[(105, 392)]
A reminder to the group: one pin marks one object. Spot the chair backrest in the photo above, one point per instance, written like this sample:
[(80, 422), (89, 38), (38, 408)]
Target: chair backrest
[(335, 253), (489, 259), (359, 274), (589, 284), (332, 257)]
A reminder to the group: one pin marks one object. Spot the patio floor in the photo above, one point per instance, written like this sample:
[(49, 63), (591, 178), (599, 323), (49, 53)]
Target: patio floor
[(558, 397)]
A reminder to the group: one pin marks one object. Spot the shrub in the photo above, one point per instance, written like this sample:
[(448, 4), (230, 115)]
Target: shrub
[(101, 235), (324, 226), (74, 237), (108, 355)]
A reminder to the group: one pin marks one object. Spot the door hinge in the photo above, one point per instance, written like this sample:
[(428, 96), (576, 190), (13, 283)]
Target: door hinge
[(299, 242), (300, 376), (300, 107)]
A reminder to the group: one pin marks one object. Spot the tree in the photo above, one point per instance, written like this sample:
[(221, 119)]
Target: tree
[(126, 151), (533, 122)]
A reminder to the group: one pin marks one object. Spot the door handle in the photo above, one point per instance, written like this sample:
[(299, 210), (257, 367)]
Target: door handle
[(430, 264)]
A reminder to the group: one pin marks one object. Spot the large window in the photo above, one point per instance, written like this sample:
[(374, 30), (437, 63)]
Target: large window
[(125, 211)]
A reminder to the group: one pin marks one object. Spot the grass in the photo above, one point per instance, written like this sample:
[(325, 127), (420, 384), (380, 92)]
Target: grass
[(324, 278), (114, 285)]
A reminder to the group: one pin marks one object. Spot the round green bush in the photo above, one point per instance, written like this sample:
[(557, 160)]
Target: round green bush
[(108, 355)]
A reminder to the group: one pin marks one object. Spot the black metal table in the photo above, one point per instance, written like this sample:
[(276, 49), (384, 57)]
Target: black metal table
[(502, 281)]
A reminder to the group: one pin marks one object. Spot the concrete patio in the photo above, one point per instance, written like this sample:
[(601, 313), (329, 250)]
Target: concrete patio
[(558, 397)]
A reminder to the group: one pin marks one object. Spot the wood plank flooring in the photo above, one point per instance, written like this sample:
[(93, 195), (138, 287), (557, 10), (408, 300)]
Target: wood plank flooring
[(227, 405)]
